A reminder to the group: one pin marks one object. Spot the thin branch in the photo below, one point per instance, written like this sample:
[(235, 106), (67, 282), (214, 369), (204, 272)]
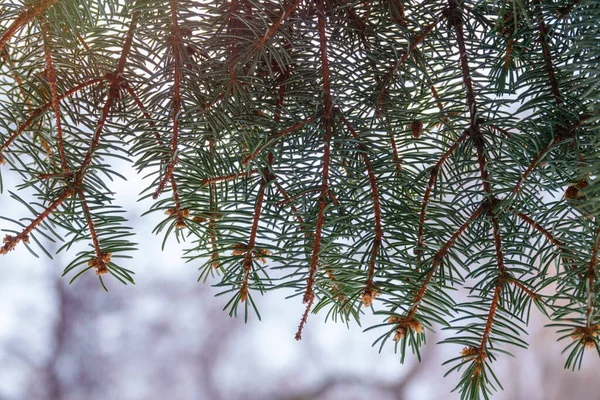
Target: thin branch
[(390, 74), (101, 260), (304, 316), (278, 136), (116, 80), (10, 242), (559, 138), (543, 36), (437, 261), (328, 119), (51, 78), (33, 10), (37, 112), (250, 252), (229, 177), (275, 26), (369, 293), (176, 46), (435, 169), (534, 296), (591, 274)]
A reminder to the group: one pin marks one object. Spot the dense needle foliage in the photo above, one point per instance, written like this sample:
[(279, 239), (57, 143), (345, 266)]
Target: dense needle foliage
[(369, 155)]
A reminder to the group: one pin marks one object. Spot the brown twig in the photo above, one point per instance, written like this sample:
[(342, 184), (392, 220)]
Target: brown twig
[(10, 242), (176, 46), (51, 78), (278, 135), (559, 138), (369, 292), (33, 10), (390, 74), (328, 119), (37, 112), (435, 170)]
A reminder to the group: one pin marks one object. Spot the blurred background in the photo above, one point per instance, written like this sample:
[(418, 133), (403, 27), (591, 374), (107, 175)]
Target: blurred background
[(168, 337)]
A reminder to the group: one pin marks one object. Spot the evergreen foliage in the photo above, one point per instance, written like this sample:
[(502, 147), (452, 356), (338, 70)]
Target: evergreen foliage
[(379, 154)]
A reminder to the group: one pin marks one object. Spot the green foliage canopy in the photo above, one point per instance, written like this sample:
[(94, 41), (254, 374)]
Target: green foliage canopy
[(368, 155)]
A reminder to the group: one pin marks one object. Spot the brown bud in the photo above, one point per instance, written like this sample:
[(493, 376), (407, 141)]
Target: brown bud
[(416, 128)]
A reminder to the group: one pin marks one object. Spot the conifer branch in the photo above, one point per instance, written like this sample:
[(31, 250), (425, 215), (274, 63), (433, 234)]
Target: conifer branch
[(102, 259), (437, 261), (563, 135), (387, 79), (433, 174), (32, 11), (543, 38), (39, 111), (369, 293), (10, 242), (277, 136), (532, 295), (138, 102), (591, 275), (51, 78), (275, 26), (175, 40), (243, 174), (328, 120)]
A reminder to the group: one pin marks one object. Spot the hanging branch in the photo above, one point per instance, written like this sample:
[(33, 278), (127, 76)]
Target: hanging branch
[(455, 19), (250, 251), (369, 293), (562, 136), (408, 322), (26, 16), (39, 111), (51, 78), (175, 39), (102, 259), (387, 78), (433, 174), (277, 136), (543, 36), (328, 121)]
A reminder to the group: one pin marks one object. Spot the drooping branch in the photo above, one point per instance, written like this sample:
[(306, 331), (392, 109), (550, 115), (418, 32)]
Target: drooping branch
[(369, 293), (32, 11), (328, 122), (435, 169), (250, 250), (99, 263), (276, 136), (175, 39), (408, 322), (388, 77), (39, 111), (10, 242), (563, 135), (543, 37), (51, 78)]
